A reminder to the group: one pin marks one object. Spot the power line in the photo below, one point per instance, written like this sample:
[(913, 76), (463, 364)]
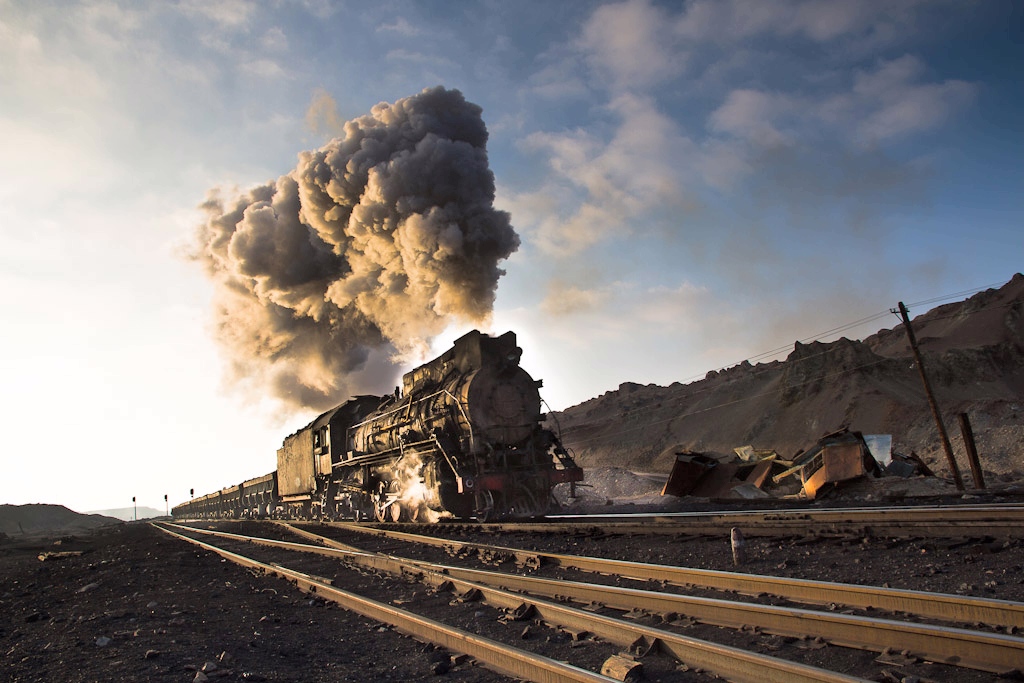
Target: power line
[(620, 432), (822, 377), (956, 295), (848, 326)]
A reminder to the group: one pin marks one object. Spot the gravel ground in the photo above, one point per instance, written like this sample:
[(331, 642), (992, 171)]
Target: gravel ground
[(138, 605)]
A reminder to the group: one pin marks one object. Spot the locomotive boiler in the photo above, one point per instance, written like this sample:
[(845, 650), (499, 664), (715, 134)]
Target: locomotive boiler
[(462, 437)]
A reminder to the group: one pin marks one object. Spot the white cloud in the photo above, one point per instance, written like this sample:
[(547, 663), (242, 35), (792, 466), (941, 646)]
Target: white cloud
[(897, 103), (275, 40), (730, 21), (749, 114), (400, 26), (563, 299), (232, 14), (404, 55), (34, 74), (641, 167), (560, 80), (264, 68), (631, 45)]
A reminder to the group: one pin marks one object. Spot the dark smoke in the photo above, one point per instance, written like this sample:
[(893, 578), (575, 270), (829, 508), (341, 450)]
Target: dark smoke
[(368, 249)]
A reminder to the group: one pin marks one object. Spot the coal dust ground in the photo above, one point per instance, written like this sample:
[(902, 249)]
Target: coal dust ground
[(137, 605)]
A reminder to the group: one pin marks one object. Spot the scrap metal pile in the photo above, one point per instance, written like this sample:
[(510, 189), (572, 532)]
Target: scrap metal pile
[(836, 458)]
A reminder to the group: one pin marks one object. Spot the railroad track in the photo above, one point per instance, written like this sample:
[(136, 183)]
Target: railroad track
[(949, 608), (1002, 521), (547, 599)]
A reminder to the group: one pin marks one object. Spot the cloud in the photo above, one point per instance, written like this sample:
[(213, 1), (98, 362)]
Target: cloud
[(231, 14), (567, 299), (373, 244), (322, 116), (631, 45), (898, 104), (400, 26), (274, 40), (419, 58), (731, 21), (749, 114), (599, 187), (266, 69)]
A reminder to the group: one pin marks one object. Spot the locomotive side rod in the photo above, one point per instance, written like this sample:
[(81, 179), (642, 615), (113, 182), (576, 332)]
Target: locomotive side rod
[(496, 656)]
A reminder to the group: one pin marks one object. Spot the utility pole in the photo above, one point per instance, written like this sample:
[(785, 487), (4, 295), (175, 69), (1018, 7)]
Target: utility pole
[(950, 460), (972, 451), (167, 509)]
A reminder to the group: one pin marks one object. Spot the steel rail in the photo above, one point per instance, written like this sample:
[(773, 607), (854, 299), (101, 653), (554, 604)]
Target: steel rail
[(502, 658), (897, 522), (880, 529), (941, 606), (734, 664), (929, 511), (962, 647), (972, 649)]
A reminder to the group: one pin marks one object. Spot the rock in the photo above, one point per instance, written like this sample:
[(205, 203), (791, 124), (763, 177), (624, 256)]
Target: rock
[(88, 587), (440, 668), (150, 654), (225, 658), (208, 667), (103, 641), (623, 668), (200, 677)]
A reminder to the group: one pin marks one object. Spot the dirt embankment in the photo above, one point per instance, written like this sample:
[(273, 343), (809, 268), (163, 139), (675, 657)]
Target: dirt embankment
[(974, 354)]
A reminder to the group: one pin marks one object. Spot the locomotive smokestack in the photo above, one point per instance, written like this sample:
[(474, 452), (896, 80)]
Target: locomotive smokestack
[(370, 247)]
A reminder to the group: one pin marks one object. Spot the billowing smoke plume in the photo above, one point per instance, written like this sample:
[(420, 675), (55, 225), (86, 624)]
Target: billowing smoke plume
[(371, 246)]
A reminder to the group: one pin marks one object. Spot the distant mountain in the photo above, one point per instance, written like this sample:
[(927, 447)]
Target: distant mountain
[(18, 520), (128, 514), (974, 355)]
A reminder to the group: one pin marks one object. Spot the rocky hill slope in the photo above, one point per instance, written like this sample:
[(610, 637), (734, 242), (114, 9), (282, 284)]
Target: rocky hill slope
[(21, 520), (973, 351)]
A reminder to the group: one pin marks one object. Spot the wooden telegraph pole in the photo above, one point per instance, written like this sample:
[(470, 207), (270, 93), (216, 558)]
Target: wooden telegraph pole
[(931, 400), (972, 451)]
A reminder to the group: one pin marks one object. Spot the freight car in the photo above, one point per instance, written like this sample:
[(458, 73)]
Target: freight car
[(461, 437)]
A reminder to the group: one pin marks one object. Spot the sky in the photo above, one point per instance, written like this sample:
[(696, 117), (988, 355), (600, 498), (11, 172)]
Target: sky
[(685, 185)]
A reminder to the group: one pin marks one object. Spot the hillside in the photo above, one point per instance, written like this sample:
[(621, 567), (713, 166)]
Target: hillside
[(129, 514), (974, 354), (21, 520)]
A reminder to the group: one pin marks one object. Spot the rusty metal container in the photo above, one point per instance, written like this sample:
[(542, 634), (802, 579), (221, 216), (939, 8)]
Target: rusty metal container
[(835, 463)]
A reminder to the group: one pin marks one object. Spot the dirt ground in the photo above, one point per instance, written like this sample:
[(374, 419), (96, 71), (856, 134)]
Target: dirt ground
[(139, 605)]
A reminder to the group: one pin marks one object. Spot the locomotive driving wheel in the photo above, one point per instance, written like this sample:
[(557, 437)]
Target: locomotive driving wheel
[(524, 504), (484, 506), (386, 506)]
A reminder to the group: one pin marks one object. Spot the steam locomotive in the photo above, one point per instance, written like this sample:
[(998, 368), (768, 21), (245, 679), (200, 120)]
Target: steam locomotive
[(461, 437)]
